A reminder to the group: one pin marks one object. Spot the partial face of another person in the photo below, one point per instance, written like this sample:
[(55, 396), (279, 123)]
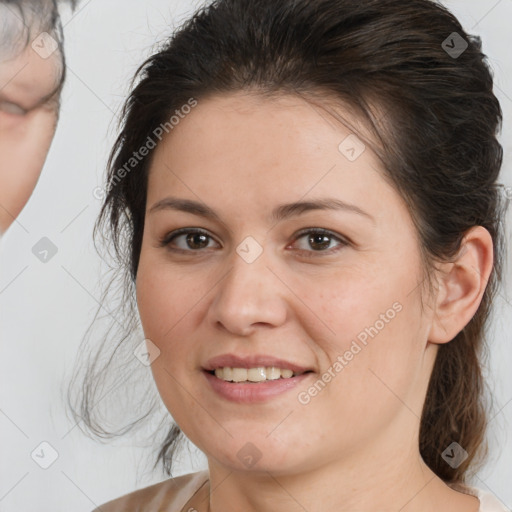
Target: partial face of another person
[(29, 100), (342, 303)]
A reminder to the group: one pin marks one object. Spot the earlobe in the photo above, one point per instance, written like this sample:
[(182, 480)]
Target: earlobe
[(462, 284)]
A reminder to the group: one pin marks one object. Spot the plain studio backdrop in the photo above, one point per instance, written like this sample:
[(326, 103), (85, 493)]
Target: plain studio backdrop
[(45, 308)]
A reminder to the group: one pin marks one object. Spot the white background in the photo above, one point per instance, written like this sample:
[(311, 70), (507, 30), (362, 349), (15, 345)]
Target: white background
[(45, 308)]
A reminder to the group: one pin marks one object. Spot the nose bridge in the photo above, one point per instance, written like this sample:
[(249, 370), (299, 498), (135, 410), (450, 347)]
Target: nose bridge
[(249, 261), (249, 293)]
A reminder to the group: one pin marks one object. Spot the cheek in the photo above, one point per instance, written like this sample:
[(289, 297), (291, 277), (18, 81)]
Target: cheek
[(365, 386), (343, 304), (24, 145), (165, 297), (168, 301), (370, 340), (163, 301)]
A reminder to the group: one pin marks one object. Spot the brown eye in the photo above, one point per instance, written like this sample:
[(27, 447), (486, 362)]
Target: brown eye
[(194, 240), (319, 240)]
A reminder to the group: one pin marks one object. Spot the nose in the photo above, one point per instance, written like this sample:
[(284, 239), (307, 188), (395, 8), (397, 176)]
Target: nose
[(250, 295)]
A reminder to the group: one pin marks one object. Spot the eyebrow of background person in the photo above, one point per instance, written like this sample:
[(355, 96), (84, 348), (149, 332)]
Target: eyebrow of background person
[(279, 213), (37, 100)]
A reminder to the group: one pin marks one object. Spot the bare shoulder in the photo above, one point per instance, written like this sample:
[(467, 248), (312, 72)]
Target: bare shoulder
[(161, 497)]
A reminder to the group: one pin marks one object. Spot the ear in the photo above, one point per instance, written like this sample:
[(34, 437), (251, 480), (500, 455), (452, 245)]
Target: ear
[(461, 285)]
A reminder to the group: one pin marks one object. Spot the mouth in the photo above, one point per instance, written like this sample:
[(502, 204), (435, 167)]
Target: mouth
[(252, 378), (253, 385)]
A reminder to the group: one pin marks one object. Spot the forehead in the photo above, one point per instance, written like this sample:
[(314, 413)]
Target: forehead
[(268, 141), (241, 156), (26, 77)]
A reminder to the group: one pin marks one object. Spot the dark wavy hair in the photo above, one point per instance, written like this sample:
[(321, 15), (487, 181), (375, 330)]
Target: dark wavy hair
[(425, 93)]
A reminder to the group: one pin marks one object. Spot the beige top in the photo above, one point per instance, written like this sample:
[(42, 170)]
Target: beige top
[(173, 495), (187, 492)]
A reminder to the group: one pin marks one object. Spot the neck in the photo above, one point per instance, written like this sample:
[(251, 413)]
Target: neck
[(396, 479)]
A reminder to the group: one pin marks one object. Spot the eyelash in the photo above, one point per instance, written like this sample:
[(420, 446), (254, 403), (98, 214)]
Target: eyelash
[(165, 241)]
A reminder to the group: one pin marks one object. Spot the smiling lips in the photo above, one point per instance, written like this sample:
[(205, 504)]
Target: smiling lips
[(253, 378)]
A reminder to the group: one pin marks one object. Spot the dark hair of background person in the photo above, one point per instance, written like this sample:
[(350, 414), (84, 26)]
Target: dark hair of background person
[(434, 117)]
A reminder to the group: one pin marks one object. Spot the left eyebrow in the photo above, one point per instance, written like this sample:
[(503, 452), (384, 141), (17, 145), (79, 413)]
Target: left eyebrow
[(285, 211), (281, 212)]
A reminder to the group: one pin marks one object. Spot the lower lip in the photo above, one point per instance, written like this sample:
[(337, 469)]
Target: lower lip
[(253, 392)]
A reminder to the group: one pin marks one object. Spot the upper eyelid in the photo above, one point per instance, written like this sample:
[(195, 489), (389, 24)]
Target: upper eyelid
[(51, 100), (305, 231), (16, 105), (172, 235)]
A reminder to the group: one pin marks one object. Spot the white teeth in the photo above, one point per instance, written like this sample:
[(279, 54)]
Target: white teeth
[(239, 374), (273, 373), (258, 374)]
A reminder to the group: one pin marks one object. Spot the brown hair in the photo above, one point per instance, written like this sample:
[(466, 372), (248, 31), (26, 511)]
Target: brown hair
[(423, 87)]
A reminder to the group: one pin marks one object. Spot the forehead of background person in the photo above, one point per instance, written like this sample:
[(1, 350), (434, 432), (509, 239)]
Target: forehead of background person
[(25, 77), (21, 21)]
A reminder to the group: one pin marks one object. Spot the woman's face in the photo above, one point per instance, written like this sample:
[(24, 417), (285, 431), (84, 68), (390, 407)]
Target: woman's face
[(345, 306), (29, 83)]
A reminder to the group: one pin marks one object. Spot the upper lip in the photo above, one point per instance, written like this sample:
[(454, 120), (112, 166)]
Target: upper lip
[(253, 361)]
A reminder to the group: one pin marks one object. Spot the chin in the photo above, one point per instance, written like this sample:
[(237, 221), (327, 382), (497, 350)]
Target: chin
[(260, 454)]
